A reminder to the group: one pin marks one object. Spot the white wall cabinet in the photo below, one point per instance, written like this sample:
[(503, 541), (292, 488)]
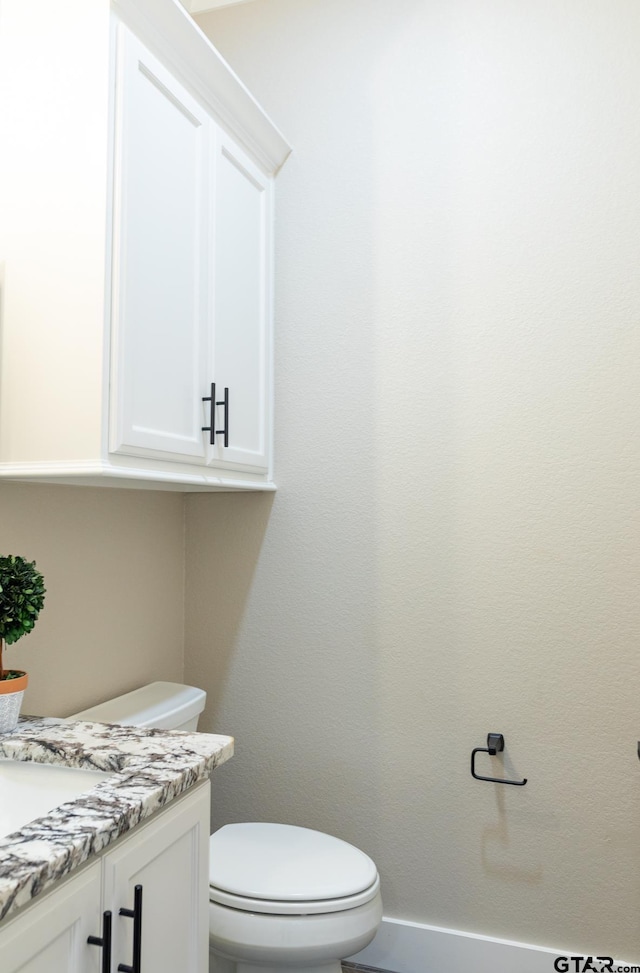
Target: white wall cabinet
[(166, 860), (242, 336), (136, 235), (160, 316)]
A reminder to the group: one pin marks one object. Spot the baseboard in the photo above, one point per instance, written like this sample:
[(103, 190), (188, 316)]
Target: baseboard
[(409, 947)]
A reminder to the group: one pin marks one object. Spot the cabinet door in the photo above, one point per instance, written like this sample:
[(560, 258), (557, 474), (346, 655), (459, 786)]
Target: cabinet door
[(51, 936), (169, 859), (159, 294), (241, 309)]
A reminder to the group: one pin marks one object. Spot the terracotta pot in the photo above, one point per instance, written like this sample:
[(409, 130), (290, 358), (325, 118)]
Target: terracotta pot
[(11, 693)]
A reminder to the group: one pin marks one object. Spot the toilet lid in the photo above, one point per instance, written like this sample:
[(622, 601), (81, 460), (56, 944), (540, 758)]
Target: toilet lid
[(281, 863)]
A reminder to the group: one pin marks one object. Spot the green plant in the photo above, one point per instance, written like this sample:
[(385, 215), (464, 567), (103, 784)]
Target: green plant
[(22, 593)]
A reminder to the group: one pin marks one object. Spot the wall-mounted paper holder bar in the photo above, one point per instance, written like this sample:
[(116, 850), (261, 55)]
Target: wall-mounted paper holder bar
[(495, 744)]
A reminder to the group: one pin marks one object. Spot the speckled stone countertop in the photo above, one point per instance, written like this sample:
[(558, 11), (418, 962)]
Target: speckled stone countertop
[(150, 768)]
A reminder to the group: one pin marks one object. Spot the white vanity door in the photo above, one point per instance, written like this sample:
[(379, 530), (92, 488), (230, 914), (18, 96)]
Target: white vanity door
[(159, 355), (51, 936), (169, 859)]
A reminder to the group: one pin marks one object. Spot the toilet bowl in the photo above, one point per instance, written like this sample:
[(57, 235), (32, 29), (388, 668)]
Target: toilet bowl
[(289, 898), (282, 899)]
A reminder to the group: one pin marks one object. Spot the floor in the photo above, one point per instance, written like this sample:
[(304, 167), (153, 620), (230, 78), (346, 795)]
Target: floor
[(358, 968)]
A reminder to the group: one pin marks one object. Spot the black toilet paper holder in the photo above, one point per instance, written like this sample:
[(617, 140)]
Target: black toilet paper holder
[(495, 744)]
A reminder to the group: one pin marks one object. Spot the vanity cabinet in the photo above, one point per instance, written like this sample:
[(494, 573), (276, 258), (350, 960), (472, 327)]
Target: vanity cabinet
[(51, 937), (136, 184), (166, 861)]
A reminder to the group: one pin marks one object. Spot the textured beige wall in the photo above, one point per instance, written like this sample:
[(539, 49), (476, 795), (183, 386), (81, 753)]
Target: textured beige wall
[(113, 564), (454, 548)]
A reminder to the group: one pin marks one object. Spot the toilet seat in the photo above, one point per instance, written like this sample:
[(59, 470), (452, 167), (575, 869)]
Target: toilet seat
[(299, 908), (281, 869)]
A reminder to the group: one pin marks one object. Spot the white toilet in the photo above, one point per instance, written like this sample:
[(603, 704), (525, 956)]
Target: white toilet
[(282, 899)]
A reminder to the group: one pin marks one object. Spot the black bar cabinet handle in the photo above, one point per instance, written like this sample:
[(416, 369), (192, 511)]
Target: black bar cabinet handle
[(104, 941), (225, 402), (136, 915), (495, 744), (211, 428)]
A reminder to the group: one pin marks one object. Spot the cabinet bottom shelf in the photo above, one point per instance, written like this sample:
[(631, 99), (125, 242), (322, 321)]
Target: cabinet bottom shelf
[(133, 478)]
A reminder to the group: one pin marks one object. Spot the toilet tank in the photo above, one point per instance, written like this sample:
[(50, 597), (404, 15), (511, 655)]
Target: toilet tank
[(159, 705)]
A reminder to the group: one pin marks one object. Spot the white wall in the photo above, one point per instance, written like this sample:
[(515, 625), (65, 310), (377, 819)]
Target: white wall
[(454, 548), (113, 566)]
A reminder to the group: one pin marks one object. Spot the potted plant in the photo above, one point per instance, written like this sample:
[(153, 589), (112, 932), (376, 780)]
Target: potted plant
[(21, 598)]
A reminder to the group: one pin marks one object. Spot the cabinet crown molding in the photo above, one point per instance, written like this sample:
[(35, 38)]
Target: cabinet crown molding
[(175, 37)]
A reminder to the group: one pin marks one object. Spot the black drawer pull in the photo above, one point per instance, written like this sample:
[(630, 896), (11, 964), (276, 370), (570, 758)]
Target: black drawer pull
[(136, 915), (104, 941)]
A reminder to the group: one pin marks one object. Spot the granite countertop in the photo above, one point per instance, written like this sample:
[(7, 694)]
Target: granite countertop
[(150, 768)]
